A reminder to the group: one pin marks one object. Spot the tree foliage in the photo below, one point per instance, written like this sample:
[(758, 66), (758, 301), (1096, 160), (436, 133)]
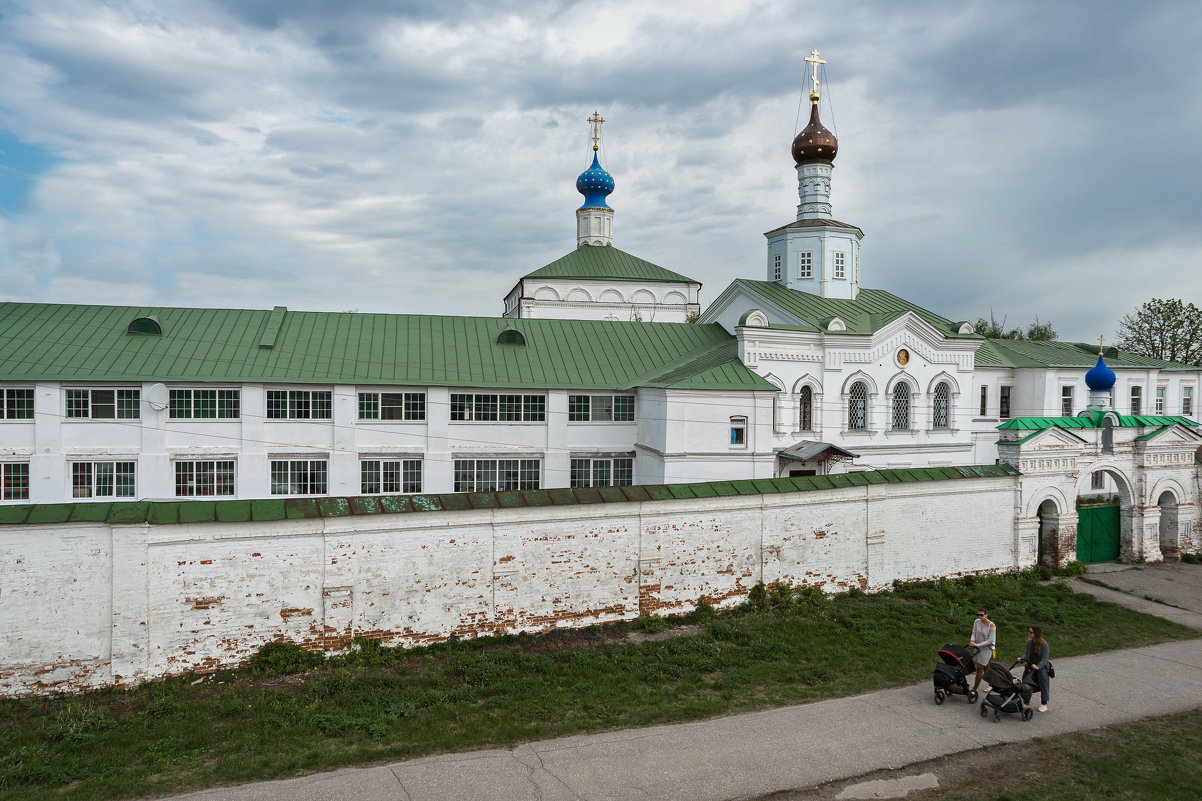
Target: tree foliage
[(1163, 329), (996, 329)]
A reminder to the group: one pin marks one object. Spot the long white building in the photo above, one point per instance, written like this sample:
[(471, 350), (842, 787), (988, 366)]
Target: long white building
[(592, 377)]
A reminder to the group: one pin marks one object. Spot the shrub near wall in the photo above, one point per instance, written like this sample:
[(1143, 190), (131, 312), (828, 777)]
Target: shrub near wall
[(195, 586)]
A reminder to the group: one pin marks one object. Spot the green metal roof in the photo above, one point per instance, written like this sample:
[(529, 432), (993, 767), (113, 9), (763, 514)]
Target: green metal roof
[(1125, 421), (168, 512), (1024, 353), (54, 342), (607, 263), (872, 310)]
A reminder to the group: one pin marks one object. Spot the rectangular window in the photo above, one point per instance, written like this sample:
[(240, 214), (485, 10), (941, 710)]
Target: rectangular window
[(390, 476), (1003, 411), (1160, 400), (410, 406), (16, 404), (14, 481), (616, 472), (738, 432), (805, 264), (840, 265), (299, 477), (102, 479), (299, 404), (1137, 400), (481, 407), (492, 475), (204, 404), (600, 408), (204, 479), (984, 402), (1066, 401), (1097, 480), (1187, 401), (103, 404), (776, 271)]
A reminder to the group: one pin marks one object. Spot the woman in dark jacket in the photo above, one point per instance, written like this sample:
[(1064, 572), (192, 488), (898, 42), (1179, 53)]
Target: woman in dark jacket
[(1036, 660)]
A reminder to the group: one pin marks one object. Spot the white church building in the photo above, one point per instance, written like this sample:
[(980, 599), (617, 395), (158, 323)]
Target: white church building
[(603, 370)]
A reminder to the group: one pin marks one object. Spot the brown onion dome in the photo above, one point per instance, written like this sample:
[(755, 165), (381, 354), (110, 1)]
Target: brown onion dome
[(815, 143)]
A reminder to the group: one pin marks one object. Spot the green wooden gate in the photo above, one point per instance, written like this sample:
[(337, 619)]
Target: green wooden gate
[(1098, 534)]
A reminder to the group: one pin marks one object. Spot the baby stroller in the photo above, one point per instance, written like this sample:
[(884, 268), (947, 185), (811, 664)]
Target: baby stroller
[(951, 677), (1006, 693)]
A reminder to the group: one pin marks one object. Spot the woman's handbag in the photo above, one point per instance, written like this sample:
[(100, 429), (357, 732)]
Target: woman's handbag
[(1051, 670)]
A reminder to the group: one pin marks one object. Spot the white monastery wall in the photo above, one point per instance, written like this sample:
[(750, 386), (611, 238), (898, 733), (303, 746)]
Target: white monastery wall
[(87, 605)]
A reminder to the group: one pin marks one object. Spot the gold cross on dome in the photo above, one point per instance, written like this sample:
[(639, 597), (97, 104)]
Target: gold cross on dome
[(596, 120), (813, 59), (1101, 339)]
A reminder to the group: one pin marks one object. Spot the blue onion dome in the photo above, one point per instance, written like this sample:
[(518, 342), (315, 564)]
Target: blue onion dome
[(595, 184), (1100, 377)]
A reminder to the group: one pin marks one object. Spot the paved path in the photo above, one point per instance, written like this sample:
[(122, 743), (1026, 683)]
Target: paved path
[(748, 756)]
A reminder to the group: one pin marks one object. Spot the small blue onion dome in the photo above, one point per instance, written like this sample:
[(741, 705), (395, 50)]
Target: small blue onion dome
[(1100, 377), (595, 184)]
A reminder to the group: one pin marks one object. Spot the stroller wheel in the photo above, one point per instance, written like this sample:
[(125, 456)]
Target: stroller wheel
[(1027, 713), (997, 716), (972, 696), (939, 696), (984, 710)]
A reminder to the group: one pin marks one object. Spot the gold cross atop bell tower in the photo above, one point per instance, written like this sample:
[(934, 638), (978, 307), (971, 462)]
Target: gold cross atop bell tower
[(813, 59), (596, 120)]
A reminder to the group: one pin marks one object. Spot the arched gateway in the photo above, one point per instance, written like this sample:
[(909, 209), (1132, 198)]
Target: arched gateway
[(1149, 467)]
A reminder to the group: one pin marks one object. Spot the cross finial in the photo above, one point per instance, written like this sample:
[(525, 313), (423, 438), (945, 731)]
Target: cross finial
[(596, 120), (813, 59), (1101, 339)]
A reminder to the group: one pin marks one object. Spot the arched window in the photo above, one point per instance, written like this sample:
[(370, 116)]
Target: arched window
[(941, 408), (145, 325), (511, 337), (805, 420), (901, 406), (857, 407)]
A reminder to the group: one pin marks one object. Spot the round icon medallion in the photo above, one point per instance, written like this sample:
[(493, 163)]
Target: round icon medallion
[(903, 357)]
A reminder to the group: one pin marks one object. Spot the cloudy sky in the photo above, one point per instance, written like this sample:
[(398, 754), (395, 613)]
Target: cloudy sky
[(1034, 159)]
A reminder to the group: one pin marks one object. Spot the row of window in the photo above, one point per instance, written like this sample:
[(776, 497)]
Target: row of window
[(216, 478), (305, 404), (805, 265), (900, 407)]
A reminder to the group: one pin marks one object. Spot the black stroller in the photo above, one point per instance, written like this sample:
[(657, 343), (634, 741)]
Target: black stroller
[(1006, 693), (951, 677)]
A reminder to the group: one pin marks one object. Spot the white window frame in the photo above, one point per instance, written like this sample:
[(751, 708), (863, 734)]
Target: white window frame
[(776, 267), (487, 407), (1158, 398), (1004, 401), (866, 410), (1136, 396), (738, 432), (1066, 400), (1187, 401), (10, 474), (840, 265), (132, 401), (946, 423), (601, 471), (596, 408), (984, 409), (97, 470), (1097, 480), (805, 264), (9, 401), (292, 401), (802, 411), (227, 403), (375, 475), (214, 469), (313, 474), (479, 474), (901, 392), (410, 406)]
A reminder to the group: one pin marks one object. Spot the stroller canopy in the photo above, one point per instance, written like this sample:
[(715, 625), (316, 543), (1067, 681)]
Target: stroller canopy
[(999, 677), (955, 655)]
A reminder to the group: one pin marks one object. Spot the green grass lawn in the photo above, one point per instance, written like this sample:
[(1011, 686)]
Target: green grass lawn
[(1152, 760), (381, 703)]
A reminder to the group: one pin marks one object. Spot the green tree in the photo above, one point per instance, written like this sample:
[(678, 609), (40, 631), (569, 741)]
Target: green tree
[(1163, 329), (996, 329)]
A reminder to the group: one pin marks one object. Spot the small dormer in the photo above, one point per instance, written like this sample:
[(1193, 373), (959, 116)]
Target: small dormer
[(753, 318), (148, 326), (511, 337)]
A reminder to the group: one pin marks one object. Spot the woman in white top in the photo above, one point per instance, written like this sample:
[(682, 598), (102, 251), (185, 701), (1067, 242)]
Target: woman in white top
[(984, 640)]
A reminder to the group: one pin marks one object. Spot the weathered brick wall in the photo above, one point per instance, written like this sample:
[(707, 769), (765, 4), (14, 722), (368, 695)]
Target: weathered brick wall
[(86, 605)]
